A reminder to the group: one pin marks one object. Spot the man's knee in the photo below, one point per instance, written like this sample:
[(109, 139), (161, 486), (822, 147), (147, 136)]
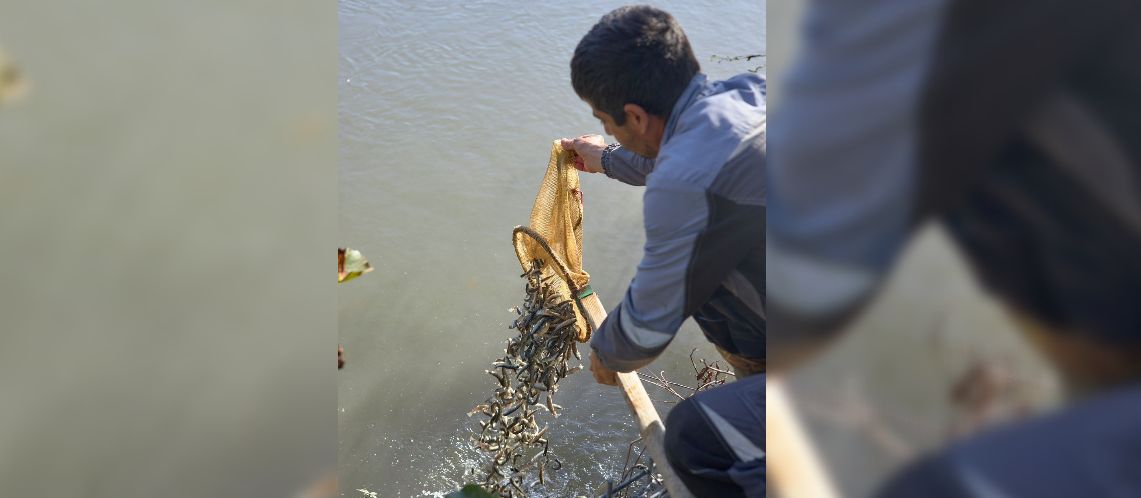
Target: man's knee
[(715, 439), (683, 416), (696, 452)]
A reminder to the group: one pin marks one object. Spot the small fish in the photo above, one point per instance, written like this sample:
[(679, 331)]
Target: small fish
[(480, 408), (500, 377), (565, 323)]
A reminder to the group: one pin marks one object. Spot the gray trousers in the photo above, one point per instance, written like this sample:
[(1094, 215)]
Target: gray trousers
[(715, 440)]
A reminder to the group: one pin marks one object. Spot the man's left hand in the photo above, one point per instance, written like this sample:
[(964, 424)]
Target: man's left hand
[(588, 152), (602, 375)]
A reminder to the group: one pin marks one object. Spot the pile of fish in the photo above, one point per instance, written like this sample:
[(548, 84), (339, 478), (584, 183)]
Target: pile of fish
[(526, 381)]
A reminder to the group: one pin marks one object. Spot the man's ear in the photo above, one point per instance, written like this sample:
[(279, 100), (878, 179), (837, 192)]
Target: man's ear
[(637, 116)]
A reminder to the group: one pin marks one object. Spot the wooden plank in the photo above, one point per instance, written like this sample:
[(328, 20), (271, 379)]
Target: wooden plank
[(796, 470), (649, 422)]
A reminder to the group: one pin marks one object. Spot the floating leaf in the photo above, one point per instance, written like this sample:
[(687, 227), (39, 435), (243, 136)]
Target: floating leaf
[(351, 264)]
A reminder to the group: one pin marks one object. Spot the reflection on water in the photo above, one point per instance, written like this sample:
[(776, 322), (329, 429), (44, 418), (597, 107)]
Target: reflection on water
[(446, 119)]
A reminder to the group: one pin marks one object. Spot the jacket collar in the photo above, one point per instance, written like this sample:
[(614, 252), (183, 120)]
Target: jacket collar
[(688, 97)]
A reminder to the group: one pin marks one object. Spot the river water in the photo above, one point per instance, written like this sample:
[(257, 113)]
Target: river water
[(446, 117)]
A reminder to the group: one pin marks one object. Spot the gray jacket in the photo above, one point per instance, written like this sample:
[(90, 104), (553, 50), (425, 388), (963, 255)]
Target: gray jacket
[(704, 214)]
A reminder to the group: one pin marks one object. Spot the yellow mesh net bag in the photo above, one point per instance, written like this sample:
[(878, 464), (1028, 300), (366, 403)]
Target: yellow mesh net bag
[(555, 235)]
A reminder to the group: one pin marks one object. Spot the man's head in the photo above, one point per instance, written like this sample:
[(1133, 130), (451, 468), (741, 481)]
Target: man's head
[(631, 68)]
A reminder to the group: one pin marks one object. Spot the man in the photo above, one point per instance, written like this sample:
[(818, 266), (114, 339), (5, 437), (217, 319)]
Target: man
[(698, 146)]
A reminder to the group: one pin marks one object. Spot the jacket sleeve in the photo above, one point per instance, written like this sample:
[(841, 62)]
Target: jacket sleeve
[(629, 167), (654, 305)]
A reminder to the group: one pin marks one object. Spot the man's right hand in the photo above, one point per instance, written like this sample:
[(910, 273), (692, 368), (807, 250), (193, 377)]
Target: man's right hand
[(602, 375), (587, 150)]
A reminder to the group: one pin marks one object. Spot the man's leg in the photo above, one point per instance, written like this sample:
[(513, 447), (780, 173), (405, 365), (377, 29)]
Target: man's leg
[(715, 440)]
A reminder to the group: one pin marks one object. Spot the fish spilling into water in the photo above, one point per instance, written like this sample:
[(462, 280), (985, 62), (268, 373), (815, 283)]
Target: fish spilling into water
[(526, 380)]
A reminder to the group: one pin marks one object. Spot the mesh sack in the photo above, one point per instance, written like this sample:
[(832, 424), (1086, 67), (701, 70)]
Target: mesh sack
[(554, 235)]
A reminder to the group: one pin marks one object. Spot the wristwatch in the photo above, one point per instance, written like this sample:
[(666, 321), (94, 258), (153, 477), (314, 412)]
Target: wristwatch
[(606, 157)]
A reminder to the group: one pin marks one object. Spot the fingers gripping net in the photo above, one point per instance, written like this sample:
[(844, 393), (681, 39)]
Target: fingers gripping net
[(555, 234)]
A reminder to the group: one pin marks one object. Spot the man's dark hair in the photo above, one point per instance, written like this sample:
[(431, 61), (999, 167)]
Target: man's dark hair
[(634, 55)]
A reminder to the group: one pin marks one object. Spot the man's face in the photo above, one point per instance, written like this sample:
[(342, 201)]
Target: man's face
[(625, 134)]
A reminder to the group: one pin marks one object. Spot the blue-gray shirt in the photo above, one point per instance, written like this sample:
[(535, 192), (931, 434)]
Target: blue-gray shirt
[(704, 214)]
